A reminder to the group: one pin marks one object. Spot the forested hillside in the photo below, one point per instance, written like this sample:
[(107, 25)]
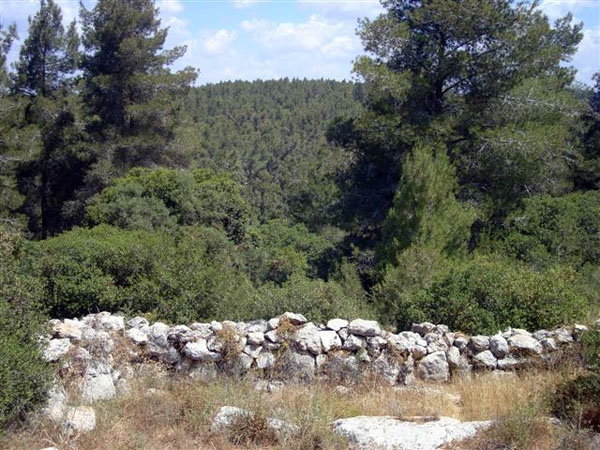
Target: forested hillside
[(456, 181), (271, 136)]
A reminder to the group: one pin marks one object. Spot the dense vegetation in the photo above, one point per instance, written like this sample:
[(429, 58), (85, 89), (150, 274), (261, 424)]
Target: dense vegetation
[(455, 182)]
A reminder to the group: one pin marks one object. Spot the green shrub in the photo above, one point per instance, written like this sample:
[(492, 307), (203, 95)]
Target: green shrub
[(316, 299), (486, 294), (24, 376), (160, 198), (578, 402), (180, 275)]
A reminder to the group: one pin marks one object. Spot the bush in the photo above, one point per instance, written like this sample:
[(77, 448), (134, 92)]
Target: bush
[(160, 198), (316, 299), (484, 295), (24, 376), (180, 276), (578, 402)]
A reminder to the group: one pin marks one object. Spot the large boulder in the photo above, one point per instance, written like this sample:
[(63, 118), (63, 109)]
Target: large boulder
[(388, 432), (434, 367), (499, 346), (198, 351), (98, 382), (330, 340)]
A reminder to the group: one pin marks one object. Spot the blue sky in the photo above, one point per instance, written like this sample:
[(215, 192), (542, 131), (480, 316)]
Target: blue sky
[(250, 39)]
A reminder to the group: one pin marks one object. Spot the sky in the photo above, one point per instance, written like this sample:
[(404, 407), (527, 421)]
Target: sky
[(267, 39)]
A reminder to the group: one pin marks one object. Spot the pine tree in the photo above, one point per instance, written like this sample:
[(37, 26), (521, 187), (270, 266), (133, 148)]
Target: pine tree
[(425, 212), (48, 55), (129, 88)]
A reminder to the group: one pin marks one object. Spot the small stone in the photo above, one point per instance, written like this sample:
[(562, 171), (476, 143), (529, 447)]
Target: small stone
[(265, 360), (563, 336), (499, 346), (522, 343), (79, 420), (294, 319), (479, 343), (549, 344), (112, 323), (253, 350), (137, 336), (67, 330), (418, 351), (337, 324), (216, 326), (434, 367), (511, 362), (56, 349), (453, 357), (365, 328), (485, 359), (354, 343), (422, 328), (273, 336), (330, 340), (198, 351), (204, 329), (307, 339), (137, 322), (460, 342), (272, 324), (255, 337), (257, 326)]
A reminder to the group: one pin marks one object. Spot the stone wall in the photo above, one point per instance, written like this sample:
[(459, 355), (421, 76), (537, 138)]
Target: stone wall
[(107, 349)]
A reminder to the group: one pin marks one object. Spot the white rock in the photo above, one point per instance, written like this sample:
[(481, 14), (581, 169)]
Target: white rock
[(273, 336), (294, 319), (216, 326), (255, 337), (522, 343), (69, 329), (434, 367), (354, 343), (100, 387), (549, 344), (257, 326), (337, 324), (418, 351), (499, 346), (228, 415), (563, 336), (512, 362), (453, 357), (365, 328), (479, 343), (330, 340), (265, 360), (112, 323), (79, 420), (138, 322), (296, 366), (400, 343), (460, 342), (307, 339), (198, 351), (159, 333), (422, 328), (387, 432), (485, 359), (56, 403), (273, 323), (56, 349), (253, 350), (204, 330), (137, 336)]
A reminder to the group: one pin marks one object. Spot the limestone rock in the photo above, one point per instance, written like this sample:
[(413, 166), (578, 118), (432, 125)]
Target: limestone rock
[(486, 360), (294, 319), (137, 336), (56, 349), (228, 415), (307, 339), (337, 324), (198, 351), (549, 344), (354, 343), (422, 328), (79, 420), (112, 323), (387, 432), (138, 322), (365, 328), (524, 344), (297, 366), (255, 337), (330, 340), (479, 343), (56, 403), (265, 360), (499, 346), (69, 329), (434, 367)]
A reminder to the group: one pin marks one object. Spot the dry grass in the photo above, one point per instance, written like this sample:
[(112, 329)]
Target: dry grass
[(178, 415)]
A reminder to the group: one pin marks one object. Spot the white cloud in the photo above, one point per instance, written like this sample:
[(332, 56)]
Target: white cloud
[(218, 41), (349, 9), (244, 3), (169, 7), (559, 8), (587, 59)]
